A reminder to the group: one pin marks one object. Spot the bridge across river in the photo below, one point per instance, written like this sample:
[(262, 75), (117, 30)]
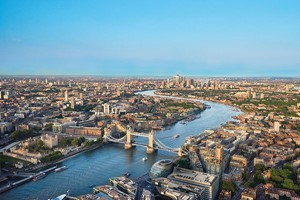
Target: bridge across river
[(153, 142)]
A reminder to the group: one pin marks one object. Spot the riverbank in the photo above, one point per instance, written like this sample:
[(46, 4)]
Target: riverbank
[(159, 93), (183, 118), (51, 164), (228, 103), (37, 167)]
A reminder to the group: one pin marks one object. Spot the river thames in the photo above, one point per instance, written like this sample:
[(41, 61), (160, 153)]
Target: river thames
[(95, 167)]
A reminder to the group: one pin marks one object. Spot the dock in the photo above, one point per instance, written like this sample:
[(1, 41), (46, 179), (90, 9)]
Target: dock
[(29, 177)]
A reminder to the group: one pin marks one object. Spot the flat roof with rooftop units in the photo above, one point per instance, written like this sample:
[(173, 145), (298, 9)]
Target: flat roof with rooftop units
[(193, 176), (181, 190), (124, 184), (112, 192), (208, 181)]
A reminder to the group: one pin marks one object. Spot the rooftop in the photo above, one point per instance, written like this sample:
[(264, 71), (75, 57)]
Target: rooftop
[(192, 176)]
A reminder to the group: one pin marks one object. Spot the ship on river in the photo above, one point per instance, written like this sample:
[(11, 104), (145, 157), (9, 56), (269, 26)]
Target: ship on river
[(61, 169), (39, 176)]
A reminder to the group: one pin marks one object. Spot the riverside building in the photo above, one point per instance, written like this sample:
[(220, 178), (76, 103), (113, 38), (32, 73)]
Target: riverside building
[(209, 182)]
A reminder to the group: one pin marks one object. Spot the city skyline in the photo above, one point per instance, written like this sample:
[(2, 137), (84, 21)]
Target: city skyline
[(150, 38), (149, 100)]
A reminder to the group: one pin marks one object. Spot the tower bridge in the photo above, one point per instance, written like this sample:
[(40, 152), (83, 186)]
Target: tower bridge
[(153, 142)]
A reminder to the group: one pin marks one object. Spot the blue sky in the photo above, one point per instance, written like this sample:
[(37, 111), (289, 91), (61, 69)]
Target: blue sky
[(150, 37)]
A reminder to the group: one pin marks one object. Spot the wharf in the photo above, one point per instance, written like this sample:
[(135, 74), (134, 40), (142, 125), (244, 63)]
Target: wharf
[(27, 179)]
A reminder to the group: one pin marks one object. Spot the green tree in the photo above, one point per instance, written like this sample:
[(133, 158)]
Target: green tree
[(288, 167), (183, 162), (23, 134), (99, 140), (245, 177), (52, 157), (289, 184), (225, 185), (74, 142), (258, 178), (78, 141), (64, 142), (48, 127), (81, 139), (87, 143), (259, 167), (277, 179), (39, 145)]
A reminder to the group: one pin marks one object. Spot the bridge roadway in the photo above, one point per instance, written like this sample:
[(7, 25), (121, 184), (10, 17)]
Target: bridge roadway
[(159, 145)]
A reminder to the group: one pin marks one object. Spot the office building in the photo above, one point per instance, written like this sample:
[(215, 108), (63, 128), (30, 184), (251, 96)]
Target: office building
[(276, 126), (5, 127), (61, 128), (219, 153), (72, 103), (124, 184), (106, 108), (177, 190), (177, 79), (209, 182), (66, 96), (6, 94)]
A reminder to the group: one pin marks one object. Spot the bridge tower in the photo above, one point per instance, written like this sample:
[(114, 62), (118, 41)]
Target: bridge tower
[(128, 143), (150, 147)]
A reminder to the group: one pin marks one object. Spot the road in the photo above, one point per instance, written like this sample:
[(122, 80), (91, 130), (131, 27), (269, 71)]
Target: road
[(238, 193)]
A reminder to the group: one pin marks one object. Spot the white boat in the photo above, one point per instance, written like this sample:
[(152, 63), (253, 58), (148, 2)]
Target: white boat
[(176, 136), (60, 197), (145, 158), (61, 169)]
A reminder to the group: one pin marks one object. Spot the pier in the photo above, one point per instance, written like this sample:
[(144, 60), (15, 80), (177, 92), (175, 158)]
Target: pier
[(29, 177)]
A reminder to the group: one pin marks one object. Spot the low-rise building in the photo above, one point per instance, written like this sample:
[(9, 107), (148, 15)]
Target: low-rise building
[(248, 194), (80, 130)]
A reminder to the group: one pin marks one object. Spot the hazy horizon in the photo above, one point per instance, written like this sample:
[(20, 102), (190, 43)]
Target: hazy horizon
[(148, 76)]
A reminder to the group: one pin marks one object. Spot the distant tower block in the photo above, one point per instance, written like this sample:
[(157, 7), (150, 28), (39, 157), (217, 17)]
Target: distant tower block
[(276, 126), (66, 96), (128, 143), (72, 103), (219, 153), (106, 108), (150, 147)]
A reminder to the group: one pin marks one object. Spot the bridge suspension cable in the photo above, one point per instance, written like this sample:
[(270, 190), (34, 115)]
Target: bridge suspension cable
[(113, 139), (163, 146)]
